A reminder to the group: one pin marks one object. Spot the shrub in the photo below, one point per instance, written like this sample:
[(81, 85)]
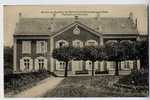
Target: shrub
[(136, 78), (101, 72), (17, 82)]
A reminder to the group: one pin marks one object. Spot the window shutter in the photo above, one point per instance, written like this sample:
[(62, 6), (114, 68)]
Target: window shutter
[(37, 47), (45, 46)]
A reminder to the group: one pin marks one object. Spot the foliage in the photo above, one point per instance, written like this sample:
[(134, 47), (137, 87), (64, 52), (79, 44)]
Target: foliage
[(63, 53), (140, 51), (78, 53), (114, 51), (127, 49), (137, 78), (8, 60), (91, 53), (101, 72), (18, 82), (87, 86)]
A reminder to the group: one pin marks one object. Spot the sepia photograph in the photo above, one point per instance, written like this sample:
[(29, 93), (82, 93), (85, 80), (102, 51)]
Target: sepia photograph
[(76, 51)]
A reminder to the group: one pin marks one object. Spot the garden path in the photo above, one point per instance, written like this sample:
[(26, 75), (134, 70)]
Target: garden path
[(41, 88)]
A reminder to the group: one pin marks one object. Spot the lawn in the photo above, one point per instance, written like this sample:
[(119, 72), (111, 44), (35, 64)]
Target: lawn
[(87, 86), (15, 83)]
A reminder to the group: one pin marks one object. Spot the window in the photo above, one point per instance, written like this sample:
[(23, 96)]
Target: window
[(26, 47), (41, 47), (26, 64), (40, 63), (61, 43), (91, 43), (88, 65), (127, 65), (60, 65), (77, 43)]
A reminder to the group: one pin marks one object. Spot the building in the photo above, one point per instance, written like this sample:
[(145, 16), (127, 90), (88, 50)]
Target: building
[(35, 39)]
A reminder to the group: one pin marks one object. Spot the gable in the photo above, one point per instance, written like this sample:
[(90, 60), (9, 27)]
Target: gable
[(77, 29)]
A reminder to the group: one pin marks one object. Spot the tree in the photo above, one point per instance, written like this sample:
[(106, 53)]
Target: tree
[(8, 60), (128, 52), (91, 53), (114, 52), (141, 52), (63, 54)]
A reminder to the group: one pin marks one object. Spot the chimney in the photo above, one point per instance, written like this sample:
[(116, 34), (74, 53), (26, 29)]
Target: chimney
[(51, 28), (98, 21), (98, 17), (19, 15), (131, 15), (99, 28), (135, 22), (76, 18)]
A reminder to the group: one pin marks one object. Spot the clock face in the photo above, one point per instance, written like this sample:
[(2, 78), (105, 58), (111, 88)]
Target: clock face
[(76, 30)]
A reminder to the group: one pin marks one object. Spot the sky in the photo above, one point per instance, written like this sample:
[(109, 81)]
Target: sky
[(11, 14)]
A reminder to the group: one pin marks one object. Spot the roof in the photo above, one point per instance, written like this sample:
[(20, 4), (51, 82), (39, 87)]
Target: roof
[(41, 26)]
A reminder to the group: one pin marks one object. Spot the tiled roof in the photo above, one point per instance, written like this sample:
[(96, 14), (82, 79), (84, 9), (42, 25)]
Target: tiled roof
[(42, 26)]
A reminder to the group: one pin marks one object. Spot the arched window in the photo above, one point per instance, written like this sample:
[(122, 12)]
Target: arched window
[(61, 43), (40, 63), (91, 43), (111, 41), (60, 65), (26, 64), (89, 65), (77, 43), (125, 41)]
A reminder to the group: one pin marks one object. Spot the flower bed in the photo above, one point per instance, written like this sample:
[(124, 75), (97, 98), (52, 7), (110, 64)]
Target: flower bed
[(14, 83)]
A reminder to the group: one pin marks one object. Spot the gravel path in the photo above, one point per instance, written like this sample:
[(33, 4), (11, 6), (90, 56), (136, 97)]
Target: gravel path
[(41, 88)]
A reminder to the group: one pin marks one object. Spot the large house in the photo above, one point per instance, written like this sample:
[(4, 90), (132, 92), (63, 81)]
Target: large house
[(35, 39)]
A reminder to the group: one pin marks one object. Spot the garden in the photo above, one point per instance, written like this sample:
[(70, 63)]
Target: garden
[(89, 86)]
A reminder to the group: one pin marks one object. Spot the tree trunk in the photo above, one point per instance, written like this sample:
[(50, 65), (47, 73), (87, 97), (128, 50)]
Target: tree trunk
[(66, 69), (117, 69), (135, 65), (144, 63), (92, 68)]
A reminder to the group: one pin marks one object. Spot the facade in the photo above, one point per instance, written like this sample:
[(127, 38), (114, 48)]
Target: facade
[(35, 39)]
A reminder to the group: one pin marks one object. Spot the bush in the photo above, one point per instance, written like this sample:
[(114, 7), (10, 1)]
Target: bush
[(101, 72), (17, 82), (82, 72)]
